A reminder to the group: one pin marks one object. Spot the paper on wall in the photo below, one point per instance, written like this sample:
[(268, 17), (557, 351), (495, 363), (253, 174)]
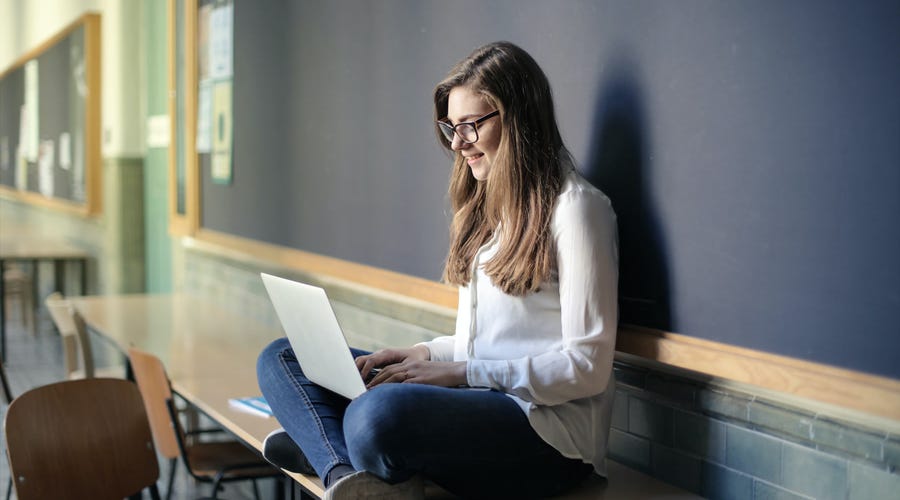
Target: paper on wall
[(204, 118), (30, 127), (65, 151), (21, 168), (4, 153), (46, 163), (221, 125), (220, 42)]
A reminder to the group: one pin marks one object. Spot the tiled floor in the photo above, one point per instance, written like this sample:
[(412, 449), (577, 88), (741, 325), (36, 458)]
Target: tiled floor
[(37, 360)]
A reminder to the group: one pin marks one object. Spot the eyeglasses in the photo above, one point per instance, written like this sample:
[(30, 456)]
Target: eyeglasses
[(467, 131)]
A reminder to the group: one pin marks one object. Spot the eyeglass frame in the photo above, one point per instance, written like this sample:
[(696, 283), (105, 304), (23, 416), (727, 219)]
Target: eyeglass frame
[(474, 123)]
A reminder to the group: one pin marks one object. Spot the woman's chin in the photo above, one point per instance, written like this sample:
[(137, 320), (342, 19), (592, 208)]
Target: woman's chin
[(479, 172)]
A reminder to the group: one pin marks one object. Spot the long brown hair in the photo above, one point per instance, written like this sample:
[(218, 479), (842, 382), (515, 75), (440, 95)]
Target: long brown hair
[(519, 194)]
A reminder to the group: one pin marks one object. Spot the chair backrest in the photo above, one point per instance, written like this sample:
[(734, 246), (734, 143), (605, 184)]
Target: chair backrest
[(80, 439), (151, 378), (73, 332)]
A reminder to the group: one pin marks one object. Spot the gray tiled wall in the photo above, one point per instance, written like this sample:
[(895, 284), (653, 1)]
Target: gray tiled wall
[(726, 444)]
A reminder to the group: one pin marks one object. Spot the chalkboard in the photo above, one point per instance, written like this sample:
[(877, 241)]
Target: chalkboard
[(751, 151), (49, 120)]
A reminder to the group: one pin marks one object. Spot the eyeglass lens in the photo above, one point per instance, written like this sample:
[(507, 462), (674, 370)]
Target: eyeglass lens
[(465, 130)]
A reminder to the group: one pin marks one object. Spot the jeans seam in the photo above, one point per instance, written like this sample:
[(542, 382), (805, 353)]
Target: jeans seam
[(336, 460)]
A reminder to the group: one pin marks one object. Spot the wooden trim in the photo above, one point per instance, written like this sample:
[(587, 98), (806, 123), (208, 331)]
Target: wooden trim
[(191, 164), (46, 44), (93, 116), (291, 258), (871, 394), (39, 200), (177, 222)]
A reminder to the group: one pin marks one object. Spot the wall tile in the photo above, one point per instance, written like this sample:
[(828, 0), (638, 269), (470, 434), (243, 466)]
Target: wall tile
[(853, 442), (620, 411), (753, 453), (675, 467), (813, 473), (892, 454), (870, 483), (721, 403), (629, 450), (700, 435), (766, 491), (650, 420), (721, 483), (677, 390), (630, 375), (784, 421)]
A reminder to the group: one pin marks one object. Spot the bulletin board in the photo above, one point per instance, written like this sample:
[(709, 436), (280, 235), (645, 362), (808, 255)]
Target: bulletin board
[(50, 121)]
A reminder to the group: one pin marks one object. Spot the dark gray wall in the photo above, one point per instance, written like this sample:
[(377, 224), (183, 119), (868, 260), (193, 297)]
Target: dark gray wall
[(751, 149)]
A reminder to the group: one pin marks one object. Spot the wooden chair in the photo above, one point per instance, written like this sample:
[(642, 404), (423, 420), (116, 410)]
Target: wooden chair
[(81, 439), (214, 462), (19, 285), (78, 357)]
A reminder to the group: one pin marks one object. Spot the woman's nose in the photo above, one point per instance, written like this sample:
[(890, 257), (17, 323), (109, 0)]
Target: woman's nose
[(457, 143)]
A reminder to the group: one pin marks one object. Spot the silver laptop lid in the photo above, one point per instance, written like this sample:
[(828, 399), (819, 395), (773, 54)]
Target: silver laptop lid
[(315, 335)]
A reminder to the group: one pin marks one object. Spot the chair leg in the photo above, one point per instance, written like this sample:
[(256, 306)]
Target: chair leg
[(173, 462), (216, 483), (255, 490), (9, 487), (154, 492)]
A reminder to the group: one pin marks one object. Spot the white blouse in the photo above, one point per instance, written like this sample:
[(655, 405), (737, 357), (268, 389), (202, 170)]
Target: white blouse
[(551, 350)]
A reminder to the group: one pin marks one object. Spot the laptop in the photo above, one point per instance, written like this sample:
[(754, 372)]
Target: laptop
[(315, 335)]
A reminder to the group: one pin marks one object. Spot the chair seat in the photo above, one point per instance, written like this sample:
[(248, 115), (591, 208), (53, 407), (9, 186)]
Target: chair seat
[(207, 458)]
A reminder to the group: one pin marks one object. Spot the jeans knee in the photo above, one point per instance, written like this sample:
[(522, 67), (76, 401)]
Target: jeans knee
[(268, 358), (378, 432)]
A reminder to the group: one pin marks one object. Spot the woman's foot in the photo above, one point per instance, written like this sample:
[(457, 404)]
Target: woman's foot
[(281, 451), (363, 485)]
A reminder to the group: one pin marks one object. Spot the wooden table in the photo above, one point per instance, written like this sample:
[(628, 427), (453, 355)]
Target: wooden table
[(209, 353), (15, 248)]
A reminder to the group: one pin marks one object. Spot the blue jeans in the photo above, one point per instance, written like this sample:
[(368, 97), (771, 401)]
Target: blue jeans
[(473, 443)]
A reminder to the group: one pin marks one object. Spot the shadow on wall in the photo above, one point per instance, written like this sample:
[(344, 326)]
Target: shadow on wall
[(617, 164)]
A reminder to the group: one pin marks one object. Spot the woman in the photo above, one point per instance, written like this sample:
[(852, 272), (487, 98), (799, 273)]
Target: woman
[(533, 251)]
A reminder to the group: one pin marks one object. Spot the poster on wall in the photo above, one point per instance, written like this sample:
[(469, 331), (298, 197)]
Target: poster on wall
[(220, 42), (204, 118), (4, 153), (221, 144), (46, 162), (215, 46), (31, 128)]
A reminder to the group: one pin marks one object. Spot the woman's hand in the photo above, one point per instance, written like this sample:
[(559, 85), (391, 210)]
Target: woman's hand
[(384, 357), (416, 371)]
